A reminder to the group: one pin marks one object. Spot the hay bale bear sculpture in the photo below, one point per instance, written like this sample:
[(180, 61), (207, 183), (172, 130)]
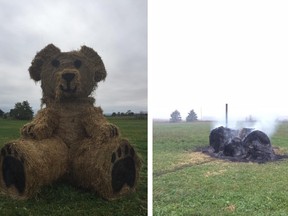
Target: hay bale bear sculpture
[(69, 138)]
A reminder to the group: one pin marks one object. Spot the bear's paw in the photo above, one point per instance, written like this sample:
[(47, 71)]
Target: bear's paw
[(123, 171), (13, 168)]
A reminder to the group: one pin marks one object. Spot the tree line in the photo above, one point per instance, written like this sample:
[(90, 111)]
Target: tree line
[(141, 114), (176, 116), (21, 111)]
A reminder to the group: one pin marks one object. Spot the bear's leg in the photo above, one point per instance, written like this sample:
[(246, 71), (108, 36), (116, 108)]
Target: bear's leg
[(26, 165), (111, 170)]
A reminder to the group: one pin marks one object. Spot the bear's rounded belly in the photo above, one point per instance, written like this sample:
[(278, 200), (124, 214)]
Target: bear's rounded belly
[(70, 129)]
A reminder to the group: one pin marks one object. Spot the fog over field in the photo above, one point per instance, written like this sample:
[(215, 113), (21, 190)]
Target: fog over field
[(209, 53)]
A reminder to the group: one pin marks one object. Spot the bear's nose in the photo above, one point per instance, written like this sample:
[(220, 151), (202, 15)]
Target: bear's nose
[(68, 76)]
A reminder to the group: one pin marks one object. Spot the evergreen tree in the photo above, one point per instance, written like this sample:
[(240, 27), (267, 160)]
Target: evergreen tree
[(175, 116), (192, 116)]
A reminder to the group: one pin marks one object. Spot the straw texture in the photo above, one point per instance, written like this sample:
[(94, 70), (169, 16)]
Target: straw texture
[(70, 137)]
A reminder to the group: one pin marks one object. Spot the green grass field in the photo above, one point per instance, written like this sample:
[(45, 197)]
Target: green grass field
[(186, 182), (63, 199)]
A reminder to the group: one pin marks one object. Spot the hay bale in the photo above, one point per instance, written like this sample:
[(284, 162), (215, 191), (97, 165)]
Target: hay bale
[(220, 136), (234, 148), (111, 170), (258, 147), (50, 64), (242, 145), (26, 165)]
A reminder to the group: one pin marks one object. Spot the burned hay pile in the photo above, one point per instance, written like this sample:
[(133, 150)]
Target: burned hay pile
[(245, 145)]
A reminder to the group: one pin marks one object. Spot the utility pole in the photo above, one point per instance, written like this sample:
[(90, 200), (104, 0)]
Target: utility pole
[(226, 114)]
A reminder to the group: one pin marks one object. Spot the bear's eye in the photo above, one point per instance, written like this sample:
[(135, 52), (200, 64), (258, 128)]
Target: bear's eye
[(55, 63), (77, 63)]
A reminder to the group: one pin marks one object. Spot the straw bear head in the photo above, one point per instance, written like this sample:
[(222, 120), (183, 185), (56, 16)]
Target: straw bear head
[(73, 74)]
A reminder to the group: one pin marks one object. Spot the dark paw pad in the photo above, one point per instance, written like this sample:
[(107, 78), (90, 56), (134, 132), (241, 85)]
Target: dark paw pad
[(13, 168), (123, 171)]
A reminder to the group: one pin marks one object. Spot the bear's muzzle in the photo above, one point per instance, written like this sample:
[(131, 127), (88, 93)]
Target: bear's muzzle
[(68, 82)]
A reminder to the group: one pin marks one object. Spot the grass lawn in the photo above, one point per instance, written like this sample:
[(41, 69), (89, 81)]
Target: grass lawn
[(63, 199), (191, 183)]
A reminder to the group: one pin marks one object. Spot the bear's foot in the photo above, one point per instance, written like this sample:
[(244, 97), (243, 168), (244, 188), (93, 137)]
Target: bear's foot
[(13, 168), (123, 171)]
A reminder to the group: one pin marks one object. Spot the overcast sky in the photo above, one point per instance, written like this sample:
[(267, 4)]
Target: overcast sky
[(203, 54), (117, 30)]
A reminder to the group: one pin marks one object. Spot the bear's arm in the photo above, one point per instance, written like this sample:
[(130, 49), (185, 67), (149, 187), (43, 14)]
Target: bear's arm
[(97, 127), (42, 126)]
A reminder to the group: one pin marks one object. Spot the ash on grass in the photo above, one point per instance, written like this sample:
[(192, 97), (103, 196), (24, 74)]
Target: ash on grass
[(208, 150)]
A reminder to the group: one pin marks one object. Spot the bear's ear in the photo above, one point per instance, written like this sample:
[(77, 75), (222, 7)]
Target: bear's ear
[(95, 63), (36, 65)]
